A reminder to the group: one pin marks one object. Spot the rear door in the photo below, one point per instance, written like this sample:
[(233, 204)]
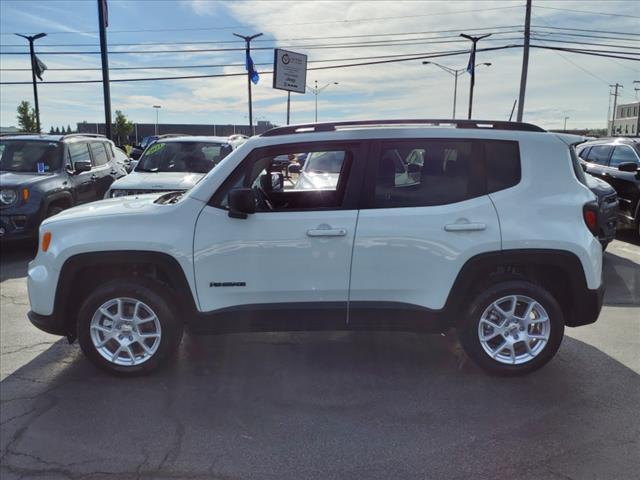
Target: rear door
[(84, 183), (103, 172), (418, 230), (598, 161)]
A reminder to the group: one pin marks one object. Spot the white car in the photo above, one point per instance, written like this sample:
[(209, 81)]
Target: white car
[(172, 163), (492, 235)]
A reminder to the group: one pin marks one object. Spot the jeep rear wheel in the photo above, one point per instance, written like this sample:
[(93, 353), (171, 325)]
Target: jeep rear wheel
[(128, 327), (513, 328)]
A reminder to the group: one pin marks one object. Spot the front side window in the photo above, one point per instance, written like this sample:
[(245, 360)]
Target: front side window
[(99, 154), (599, 154), (623, 154), (32, 156), (79, 152), (426, 172), (319, 184), (194, 157)]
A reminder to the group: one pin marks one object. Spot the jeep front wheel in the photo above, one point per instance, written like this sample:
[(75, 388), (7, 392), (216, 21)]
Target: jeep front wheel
[(128, 327), (513, 328)]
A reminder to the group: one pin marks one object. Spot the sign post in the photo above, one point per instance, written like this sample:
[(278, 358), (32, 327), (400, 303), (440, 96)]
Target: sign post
[(289, 73)]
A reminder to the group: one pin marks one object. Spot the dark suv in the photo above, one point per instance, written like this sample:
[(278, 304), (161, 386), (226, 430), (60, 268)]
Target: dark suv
[(41, 175), (617, 161)]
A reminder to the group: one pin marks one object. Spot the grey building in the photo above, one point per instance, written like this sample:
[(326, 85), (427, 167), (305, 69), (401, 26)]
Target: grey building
[(141, 130), (626, 120)]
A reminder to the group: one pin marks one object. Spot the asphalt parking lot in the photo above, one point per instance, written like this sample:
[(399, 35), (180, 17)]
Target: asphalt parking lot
[(324, 405)]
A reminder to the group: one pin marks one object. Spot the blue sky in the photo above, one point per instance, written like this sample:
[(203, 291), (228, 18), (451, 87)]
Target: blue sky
[(559, 84)]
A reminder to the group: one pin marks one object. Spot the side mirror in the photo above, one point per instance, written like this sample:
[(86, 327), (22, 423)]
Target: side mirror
[(294, 168), (628, 167), (241, 203), (413, 168), (81, 166)]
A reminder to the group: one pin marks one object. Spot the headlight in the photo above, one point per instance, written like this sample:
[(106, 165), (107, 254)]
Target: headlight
[(7, 197), (118, 193)]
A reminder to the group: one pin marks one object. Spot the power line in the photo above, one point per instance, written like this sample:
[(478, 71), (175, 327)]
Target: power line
[(586, 30), (235, 27), (589, 12)]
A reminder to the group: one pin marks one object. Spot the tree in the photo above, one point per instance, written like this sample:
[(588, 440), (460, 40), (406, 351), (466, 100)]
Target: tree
[(123, 126), (52, 131), (57, 130), (26, 117), (69, 128)]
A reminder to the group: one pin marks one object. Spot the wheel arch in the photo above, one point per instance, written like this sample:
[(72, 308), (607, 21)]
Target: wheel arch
[(559, 272), (83, 272)]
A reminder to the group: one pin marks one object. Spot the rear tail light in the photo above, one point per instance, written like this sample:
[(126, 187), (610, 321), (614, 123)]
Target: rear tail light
[(590, 215)]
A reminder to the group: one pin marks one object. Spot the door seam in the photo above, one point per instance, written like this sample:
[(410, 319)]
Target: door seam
[(353, 246)]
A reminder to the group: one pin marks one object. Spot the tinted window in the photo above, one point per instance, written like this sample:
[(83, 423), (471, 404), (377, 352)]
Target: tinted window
[(447, 174), (30, 156), (99, 154), (79, 152), (503, 164), (599, 154), (583, 152), (196, 157), (622, 154)]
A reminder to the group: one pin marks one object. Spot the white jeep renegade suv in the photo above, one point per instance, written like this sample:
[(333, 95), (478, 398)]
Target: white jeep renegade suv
[(485, 227)]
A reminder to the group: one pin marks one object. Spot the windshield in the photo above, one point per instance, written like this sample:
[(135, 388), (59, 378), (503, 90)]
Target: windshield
[(32, 156), (196, 157), (324, 162)]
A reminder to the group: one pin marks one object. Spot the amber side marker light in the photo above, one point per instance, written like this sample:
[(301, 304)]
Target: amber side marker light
[(46, 240), (25, 194)]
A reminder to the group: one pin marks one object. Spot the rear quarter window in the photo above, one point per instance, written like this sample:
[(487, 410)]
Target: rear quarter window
[(503, 164)]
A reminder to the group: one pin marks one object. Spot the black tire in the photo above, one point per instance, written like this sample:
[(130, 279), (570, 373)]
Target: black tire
[(470, 336), (155, 296)]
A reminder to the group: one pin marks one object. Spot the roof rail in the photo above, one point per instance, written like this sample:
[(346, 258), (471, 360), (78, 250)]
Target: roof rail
[(16, 134), (333, 126), (67, 135), (169, 135)]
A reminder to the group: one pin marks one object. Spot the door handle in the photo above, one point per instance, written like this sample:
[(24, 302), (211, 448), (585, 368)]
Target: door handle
[(94, 177), (327, 232), (465, 227)]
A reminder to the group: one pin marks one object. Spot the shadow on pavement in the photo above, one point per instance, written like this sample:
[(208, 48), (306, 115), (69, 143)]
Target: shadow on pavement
[(622, 279), (628, 235), (320, 405), (14, 259)]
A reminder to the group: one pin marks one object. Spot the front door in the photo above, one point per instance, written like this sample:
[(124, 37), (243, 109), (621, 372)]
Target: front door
[(626, 184), (84, 183), (294, 252)]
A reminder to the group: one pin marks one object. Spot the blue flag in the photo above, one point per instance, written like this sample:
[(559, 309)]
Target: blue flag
[(255, 78), (472, 62)]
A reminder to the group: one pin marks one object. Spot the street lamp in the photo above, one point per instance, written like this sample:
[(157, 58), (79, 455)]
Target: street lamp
[(455, 73), (34, 67), (316, 91), (157, 107), (565, 124), (472, 62)]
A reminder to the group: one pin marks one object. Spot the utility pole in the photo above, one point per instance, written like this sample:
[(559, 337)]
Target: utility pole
[(103, 20), (455, 73), (250, 71), (525, 60), (288, 106), (34, 66), (615, 104), (157, 108), (565, 124), (636, 89), (472, 65)]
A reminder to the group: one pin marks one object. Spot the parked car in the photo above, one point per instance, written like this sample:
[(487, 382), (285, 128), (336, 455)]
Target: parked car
[(42, 175), (485, 241), (617, 162), (123, 159), (608, 209), (172, 163), (136, 150)]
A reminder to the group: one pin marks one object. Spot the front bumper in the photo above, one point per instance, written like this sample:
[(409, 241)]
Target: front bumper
[(19, 227), (52, 324)]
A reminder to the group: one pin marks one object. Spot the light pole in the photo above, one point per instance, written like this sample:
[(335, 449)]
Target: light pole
[(157, 108), (471, 66), (250, 71), (34, 66), (565, 124), (455, 73), (316, 91)]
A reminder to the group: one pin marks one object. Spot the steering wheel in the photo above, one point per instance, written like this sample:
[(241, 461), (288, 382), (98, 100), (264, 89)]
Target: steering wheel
[(263, 199)]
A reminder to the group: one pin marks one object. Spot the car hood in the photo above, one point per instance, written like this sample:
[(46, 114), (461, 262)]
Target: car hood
[(15, 179), (113, 206), (599, 187), (317, 181), (157, 181)]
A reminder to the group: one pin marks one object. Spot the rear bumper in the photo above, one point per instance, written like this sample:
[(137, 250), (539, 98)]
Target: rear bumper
[(588, 307), (48, 323)]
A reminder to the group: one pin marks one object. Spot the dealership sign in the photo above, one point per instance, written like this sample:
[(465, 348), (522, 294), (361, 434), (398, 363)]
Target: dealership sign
[(289, 71)]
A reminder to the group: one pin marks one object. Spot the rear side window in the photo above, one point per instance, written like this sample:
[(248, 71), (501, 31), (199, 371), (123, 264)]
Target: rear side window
[(599, 154), (427, 172), (623, 154), (503, 164), (99, 154)]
